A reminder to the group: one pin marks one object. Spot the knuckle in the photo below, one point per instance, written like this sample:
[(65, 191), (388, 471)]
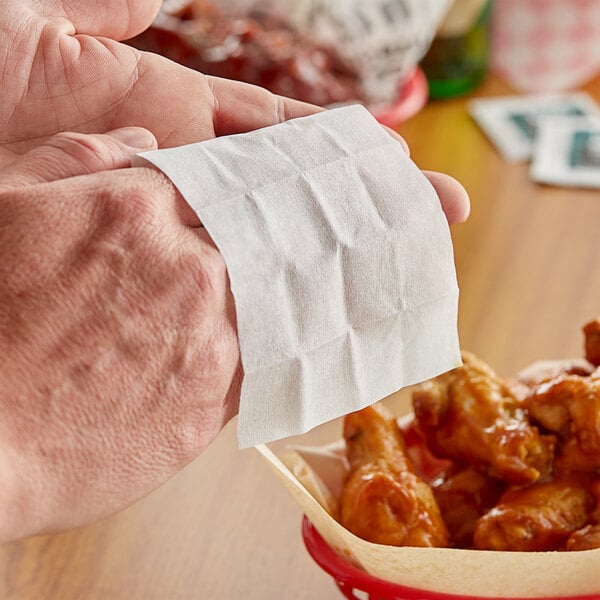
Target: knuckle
[(211, 274), (218, 358), (204, 413), (280, 109), (131, 209), (198, 409), (87, 152), (205, 302), (197, 299)]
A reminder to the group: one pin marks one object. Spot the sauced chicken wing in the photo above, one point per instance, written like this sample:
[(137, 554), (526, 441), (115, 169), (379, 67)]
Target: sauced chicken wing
[(463, 496), (545, 370), (469, 415), (535, 518), (586, 538), (571, 458), (595, 489), (591, 331), (570, 406), (383, 500)]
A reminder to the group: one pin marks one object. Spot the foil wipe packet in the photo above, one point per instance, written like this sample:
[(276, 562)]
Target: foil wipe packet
[(340, 262)]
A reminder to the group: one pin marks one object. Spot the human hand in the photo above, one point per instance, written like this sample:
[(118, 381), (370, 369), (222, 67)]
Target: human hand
[(68, 72), (111, 289), (117, 331), (117, 328)]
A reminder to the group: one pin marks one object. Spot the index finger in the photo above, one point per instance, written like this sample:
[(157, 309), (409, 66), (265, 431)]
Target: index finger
[(240, 107)]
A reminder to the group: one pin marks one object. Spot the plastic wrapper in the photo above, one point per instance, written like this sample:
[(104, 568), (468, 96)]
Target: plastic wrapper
[(319, 51)]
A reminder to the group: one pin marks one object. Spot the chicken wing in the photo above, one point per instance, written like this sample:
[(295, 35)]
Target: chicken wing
[(591, 331), (463, 496), (571, 458), (470, 416), (586, 538), (543, 371), (383, 500), (535, 518), (570, 406)]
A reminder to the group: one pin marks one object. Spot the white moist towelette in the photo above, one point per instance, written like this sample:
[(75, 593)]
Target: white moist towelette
[(340, 261)]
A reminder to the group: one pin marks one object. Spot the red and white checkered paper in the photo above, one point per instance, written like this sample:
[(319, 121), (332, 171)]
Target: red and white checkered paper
[(546, 45)]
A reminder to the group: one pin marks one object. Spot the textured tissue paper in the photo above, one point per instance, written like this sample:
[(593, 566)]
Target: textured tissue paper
[(340, 262)]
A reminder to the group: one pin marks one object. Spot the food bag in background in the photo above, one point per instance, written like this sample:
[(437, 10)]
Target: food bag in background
[(381, 40), (319, 51), (546, 45)]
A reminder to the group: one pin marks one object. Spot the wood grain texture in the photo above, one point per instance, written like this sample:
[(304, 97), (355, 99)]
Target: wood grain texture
[(527, 262)]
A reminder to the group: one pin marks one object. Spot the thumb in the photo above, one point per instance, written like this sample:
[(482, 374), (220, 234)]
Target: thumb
[(71, 154), (453, 196)]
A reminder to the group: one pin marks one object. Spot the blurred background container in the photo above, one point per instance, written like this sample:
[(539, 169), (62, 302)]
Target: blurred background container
[(335, 51), (457, 60), (546, 45), (320, 51)]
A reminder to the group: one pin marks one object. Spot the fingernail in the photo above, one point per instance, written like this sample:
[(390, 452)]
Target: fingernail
[(134, 137)]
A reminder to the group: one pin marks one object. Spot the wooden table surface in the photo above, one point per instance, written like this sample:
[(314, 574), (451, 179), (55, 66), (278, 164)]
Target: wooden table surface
[(528, 263)]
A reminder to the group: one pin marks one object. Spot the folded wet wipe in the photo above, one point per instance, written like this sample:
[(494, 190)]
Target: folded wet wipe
[(340, 261)]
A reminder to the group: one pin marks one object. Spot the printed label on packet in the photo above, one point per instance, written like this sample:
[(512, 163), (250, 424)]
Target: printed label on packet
[(511, 122), (567, 152)]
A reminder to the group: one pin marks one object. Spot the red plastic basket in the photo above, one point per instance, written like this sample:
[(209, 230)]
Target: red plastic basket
[(359, 585)]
